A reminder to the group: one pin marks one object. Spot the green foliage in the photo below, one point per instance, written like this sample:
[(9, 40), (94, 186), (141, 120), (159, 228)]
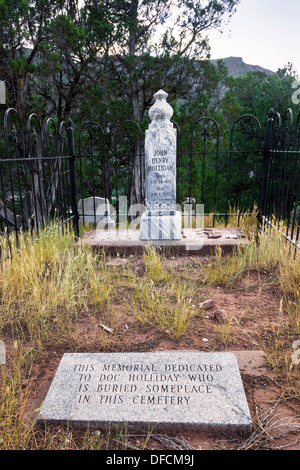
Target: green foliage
[(103, 61), (258, 91), (60, 50)]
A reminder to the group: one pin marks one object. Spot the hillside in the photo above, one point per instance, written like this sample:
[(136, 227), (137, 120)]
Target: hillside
[(237, 67)]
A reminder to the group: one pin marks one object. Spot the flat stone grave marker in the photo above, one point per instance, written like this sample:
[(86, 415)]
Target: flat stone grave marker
[(201, 391)]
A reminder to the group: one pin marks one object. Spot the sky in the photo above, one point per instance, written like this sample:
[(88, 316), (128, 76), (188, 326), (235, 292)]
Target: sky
[(262, 32)]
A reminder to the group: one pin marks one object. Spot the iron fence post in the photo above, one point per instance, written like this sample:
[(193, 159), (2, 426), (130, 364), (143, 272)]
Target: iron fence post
[(266, 162), (71, 145)]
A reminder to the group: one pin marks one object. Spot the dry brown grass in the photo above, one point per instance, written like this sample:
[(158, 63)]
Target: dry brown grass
[(47, 284)]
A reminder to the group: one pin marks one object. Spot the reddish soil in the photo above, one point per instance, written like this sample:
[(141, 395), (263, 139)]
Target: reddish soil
[(253, 307)]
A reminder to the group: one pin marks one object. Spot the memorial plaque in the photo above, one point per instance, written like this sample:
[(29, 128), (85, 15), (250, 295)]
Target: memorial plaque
[(202, 391)]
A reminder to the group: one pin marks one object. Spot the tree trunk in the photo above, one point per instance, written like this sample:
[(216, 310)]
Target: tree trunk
[(11, 219), (136, 194), (41, 198)]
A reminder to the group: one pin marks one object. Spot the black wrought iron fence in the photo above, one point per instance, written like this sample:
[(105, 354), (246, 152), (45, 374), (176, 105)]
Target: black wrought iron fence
[(218, 168), (222, 167), (51, 172), (109, 166), (280, 195), (37, 176)]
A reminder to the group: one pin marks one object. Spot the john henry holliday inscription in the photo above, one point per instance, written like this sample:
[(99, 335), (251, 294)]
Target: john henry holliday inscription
[(199, 390)]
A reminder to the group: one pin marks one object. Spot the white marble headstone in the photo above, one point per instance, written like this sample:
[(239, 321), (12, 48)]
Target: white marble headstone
[(161, 221), (95, 210)]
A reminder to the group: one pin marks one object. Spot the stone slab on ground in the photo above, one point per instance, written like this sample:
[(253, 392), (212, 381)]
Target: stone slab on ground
[(193, 242), (169, 390)]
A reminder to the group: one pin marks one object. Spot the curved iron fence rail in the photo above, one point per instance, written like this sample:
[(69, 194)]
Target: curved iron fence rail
[(49, 170), (280, 201), (36, 183)]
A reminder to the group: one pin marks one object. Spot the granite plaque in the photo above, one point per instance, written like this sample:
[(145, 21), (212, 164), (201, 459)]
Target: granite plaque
[(202, 391)]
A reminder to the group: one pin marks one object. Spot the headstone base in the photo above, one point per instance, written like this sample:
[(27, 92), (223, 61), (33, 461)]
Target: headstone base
[(161, 227)]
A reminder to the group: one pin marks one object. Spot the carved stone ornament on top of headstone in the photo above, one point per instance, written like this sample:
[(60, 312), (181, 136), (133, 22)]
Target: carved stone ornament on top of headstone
[(161, 221)]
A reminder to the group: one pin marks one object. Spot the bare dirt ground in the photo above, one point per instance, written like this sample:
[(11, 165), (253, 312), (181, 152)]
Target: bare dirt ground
[(241, 319)]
